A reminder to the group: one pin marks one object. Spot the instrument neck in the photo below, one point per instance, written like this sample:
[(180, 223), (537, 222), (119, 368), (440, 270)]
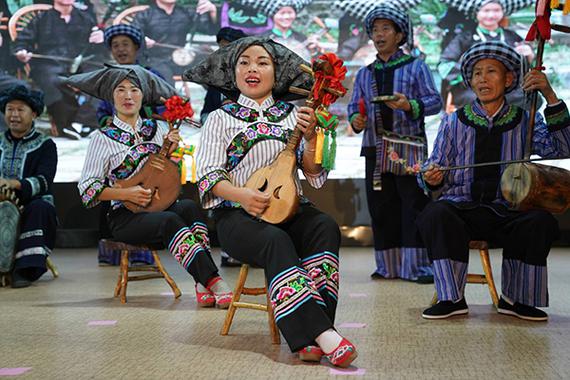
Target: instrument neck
[(295, 138), (167, 144)]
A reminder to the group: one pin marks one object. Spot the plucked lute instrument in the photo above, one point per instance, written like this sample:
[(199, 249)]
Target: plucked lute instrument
[(158, 174), (278, 179)]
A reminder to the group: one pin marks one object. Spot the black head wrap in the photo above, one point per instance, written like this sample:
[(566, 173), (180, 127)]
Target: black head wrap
[(218, 70), (101, 83), (35, 99)]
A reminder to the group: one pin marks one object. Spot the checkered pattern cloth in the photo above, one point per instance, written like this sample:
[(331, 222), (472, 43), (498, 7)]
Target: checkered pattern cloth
[(360, 8), (130, 31), (500, 51), (271, 7), (470, 7), (394, 14)]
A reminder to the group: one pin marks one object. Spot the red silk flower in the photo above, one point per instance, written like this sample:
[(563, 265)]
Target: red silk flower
[(177, 109), (334, 80)]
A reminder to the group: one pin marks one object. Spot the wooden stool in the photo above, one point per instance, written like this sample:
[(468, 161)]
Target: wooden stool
[(241, 289), (124, 278), (486, 278), (51, 266)]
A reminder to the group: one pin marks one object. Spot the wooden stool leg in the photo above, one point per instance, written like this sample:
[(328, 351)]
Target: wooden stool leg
[(167, 277), (484, 253), (51, 266), (275, 337), (236, 297), (434, 299), (124, 274), (119, 282)]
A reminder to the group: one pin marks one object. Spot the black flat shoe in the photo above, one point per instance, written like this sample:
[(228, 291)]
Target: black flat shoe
[(19, 281), (528, 313), (446, 309), (425, 280)]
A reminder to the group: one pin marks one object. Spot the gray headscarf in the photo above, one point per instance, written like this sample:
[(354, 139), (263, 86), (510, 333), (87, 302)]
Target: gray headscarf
[(218, 70), (101, 83)]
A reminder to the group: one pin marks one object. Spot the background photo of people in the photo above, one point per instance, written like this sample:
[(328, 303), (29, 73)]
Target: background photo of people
[(61, 37)]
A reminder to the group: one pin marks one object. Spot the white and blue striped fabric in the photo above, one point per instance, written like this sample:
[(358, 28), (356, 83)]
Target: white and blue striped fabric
[(455, 146)]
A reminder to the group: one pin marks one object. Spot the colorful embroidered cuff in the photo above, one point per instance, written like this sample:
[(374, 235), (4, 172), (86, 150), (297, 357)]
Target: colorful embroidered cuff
[(417, 110), (210, 180), (91, 194), (352, 117), (426, 186), (557, 116)]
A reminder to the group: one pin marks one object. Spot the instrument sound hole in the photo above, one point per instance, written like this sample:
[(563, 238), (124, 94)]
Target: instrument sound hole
[(276, 192), (264, 186)]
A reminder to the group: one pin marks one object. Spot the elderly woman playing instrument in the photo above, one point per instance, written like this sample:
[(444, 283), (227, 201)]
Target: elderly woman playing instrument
[(118, 151), (28, 162), (300, 256), (471, 206)]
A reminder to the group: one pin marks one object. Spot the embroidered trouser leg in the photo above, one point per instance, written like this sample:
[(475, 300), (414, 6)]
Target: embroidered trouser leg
[(180, 228), (37, 239), (300, 259), (399, 251), (526, 238)]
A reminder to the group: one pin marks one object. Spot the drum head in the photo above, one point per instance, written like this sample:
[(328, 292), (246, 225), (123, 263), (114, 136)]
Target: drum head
[(10, 216), (183, 57), (516, 183)]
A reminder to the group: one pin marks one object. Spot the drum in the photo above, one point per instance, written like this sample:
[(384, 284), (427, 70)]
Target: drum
[(10, 212), (536, 187), (183, 56)]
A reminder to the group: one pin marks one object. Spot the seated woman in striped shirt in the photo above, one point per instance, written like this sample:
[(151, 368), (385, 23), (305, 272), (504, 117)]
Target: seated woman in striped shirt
[(300, 257), (118, 151)]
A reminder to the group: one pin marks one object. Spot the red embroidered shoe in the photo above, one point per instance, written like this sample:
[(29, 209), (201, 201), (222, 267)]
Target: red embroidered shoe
[(311, 354), (343, 355), (223, 300), (224, 297), (204, 299)]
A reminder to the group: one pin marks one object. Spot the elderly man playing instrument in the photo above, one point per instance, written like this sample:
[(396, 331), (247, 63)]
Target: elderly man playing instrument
[(394, 128), (471, 206), (28, 161)]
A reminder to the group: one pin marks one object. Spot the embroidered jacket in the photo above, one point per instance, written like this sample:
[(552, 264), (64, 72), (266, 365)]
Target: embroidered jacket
[(240, 138), (32, 160), (116, 152), (406, 75), (469, 136)]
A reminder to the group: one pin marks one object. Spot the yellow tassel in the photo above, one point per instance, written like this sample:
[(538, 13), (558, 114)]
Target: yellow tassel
[(193, 179), (566, 8), (319, 148), (554, 4), (182, 171)]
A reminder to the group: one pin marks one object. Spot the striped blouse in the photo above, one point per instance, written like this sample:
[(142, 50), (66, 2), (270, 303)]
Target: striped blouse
[(406, 75), (116, 152), (469, 136), (240, 138)]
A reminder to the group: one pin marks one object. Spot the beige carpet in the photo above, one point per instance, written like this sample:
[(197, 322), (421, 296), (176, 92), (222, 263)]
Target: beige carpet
[(45, 328)]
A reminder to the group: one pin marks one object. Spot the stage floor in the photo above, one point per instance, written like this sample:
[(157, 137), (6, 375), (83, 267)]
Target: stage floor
[(46, 329)]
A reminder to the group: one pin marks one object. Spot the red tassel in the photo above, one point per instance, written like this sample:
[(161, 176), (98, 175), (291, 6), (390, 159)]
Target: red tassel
[(362, 107)]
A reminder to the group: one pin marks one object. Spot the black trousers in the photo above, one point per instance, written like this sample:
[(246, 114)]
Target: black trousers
[(181, 228), (300, 259), (447, 229), (394, 209), (37, 239), (526, 238)]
